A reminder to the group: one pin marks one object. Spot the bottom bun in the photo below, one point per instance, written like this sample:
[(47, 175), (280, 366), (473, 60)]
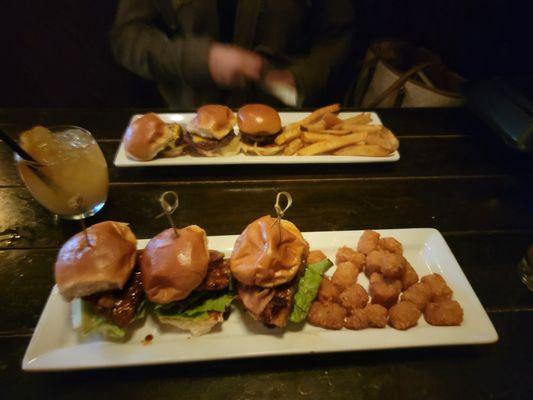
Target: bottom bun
[(269, 150), (173, 152), (231, 149), (197, 326)]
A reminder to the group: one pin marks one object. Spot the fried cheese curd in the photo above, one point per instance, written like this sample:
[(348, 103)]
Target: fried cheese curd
[(345, 275), (368, 242), (384, 291), (438, 288), (357, 320), (346, 253), (315, 256), (389, 264), (353, 297), (371, 268), (418, 294), (444, 313), (403, 315), (377, 315), (327, 315), (328, 292), (391, 244), (372, 316), (410, 277)]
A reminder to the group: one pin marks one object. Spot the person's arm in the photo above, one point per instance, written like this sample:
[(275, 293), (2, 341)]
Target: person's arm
[(141, 47), (332, 27)]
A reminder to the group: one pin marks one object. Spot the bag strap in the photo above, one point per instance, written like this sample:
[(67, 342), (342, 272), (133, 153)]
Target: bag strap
[(354, 95), (399, 83)]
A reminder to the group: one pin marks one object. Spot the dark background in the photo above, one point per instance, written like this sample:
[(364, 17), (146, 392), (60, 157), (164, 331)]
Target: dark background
[(56, 53)]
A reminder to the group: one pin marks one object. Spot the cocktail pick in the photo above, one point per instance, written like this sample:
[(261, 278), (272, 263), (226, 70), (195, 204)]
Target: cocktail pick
[(169, 207), (279, 210)]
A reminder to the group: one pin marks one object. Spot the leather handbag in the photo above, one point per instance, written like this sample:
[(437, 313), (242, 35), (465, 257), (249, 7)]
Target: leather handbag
[(399, 74)]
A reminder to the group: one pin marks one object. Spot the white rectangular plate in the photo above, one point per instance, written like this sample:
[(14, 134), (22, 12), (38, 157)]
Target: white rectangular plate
[(55, 346), (121, 160)]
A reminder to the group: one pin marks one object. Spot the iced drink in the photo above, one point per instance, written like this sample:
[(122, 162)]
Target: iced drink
[(71, 179)]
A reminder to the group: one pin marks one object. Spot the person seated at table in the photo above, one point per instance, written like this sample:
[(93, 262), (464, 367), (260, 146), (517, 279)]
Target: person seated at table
[(207, 51)]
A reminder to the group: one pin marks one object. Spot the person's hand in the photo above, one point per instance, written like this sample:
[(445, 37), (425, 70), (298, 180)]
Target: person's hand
[(232, 66)]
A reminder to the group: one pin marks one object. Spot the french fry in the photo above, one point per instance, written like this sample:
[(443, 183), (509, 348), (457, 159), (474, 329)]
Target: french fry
[(363, 118), (292, 147), (319, 125), (317, 114), (287, 135), (332, 131), (361, 128), (383, 138), (359, 119), (311, 137), (329, 145), (331, 119), (367, 150)]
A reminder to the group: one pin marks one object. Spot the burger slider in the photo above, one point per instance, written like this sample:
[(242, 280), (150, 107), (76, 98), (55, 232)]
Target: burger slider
[(259, 125), (211, 132), (188, 283), (267, 260), (96, 269), (149, 136)]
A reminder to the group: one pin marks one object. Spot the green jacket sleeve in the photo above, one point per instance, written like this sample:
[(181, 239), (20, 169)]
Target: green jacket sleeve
[(140, 46), (332, 32)]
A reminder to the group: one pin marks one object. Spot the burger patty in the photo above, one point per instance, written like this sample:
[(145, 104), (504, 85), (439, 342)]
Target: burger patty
[(208, 144), (119, 306), (262, 140), (218, 273)]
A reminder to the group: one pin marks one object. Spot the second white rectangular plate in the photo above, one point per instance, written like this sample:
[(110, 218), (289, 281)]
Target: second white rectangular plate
[(121, 160), (55, 346)]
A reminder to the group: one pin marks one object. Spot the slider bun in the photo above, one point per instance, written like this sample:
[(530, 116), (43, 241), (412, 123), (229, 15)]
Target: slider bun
[(212, 121), (172, 267), (268, 150), (258, 120), (81, 270), (146, 137), (260, 257)]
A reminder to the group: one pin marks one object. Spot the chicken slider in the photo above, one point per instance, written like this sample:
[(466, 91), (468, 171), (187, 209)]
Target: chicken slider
[(187, 282), (96, 270)]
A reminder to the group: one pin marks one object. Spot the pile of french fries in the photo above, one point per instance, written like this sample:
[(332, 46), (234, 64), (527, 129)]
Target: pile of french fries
[(323, 132)]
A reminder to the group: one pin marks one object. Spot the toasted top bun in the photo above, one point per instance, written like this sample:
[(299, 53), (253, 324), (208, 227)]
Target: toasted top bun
[(212, 121), (264, 258), (147, 136), (172, 267), (258, 120), (81, 270)]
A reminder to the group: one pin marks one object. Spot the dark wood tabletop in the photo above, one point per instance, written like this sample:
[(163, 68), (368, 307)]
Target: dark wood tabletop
[(453, 175)]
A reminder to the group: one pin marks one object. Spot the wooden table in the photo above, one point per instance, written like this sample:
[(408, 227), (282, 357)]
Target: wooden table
[(452, 176)]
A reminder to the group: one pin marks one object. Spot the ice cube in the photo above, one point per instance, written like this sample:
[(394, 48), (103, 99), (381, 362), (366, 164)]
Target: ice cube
[(74, 138), (53, 147)]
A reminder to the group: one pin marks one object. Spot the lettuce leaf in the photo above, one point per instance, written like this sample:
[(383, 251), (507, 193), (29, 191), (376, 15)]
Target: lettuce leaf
[(87, 322), (196, 306), (308, 286)]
